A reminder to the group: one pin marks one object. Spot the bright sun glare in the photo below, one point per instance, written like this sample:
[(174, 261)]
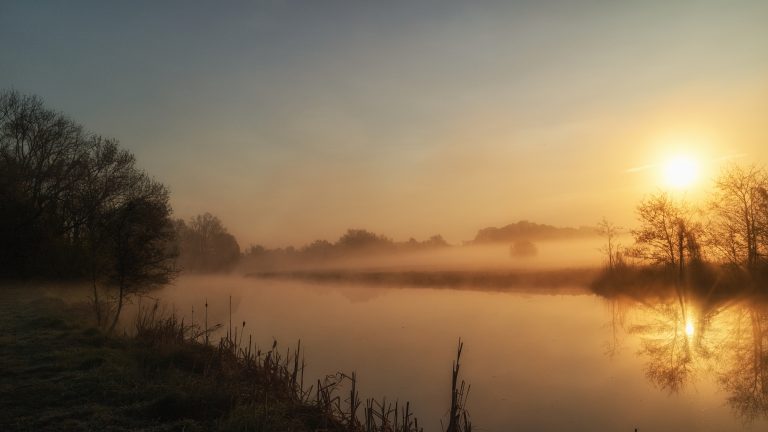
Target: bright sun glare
[(689, 329), (680, 172)]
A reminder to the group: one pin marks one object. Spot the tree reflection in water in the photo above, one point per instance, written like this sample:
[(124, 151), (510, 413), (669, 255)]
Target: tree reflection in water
[(684, 338), (747, 359)]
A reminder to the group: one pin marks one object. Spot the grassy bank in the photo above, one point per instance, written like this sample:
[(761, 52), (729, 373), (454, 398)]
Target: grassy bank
[(491, 280), (708, 282), (60, 374)]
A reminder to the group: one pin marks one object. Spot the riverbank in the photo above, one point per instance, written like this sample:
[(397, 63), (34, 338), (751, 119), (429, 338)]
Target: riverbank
[(61, 373), (541, 280)]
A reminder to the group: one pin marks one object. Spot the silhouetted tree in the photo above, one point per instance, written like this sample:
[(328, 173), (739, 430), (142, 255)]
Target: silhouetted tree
[(525, 230), (435, 241), (318, 249), (667, 232), (609, 231), (358, 239), (205, 245), (74, 204), (111, 179), (140, 235), (739, 228), (43, 160)]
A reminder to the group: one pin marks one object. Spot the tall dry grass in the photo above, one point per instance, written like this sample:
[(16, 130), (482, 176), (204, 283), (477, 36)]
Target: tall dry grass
[(274, 378)]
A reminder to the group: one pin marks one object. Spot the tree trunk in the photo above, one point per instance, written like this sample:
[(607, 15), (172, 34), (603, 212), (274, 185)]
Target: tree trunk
[(96, 302), (119, 308)]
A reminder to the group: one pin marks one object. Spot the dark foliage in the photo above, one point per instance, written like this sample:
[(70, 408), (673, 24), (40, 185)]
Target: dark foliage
[(353, 243), (205, 245), (75, 205), (525, 230)]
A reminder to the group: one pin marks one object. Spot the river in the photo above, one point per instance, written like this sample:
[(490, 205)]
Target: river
[(536, 359)]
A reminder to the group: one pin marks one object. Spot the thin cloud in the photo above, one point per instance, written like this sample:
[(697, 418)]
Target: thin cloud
[(640, 168)]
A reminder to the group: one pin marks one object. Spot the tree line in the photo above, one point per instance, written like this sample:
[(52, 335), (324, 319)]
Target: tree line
[(530, 231), (205, 245), (353, 243), (728, 231), (75, 205)]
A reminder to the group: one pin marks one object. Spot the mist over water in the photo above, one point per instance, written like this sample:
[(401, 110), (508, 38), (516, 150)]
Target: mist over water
[(553, 360), (547, 254)]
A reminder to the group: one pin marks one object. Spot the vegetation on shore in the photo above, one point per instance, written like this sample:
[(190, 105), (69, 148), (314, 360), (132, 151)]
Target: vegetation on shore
[(75, 206), (717, 247), (62, 373), (481, 280)]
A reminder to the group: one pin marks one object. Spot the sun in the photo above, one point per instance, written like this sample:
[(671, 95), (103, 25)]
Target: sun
[(681, 172)]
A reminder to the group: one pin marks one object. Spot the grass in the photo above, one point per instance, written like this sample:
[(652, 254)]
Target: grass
[(62, 374), (706, 282), (501, 280)]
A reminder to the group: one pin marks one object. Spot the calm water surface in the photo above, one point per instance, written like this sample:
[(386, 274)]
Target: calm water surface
[(535, 361)]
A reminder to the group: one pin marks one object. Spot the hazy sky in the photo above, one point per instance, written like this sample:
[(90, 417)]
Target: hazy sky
[(296, 120)]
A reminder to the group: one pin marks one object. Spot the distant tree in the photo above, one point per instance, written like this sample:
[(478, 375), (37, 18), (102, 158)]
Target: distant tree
[(318, 249), (523, 249), (435, 241), (358, 239), (205, 245), (525, 230), (255, 250), (610, 231), (739, 227)]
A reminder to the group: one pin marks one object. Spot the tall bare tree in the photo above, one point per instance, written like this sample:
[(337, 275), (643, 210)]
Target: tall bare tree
[(667, 232), (610, 231), (141, 237), (738, 229)]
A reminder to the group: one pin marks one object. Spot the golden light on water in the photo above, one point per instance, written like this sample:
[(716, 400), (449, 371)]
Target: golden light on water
[(681, 172)]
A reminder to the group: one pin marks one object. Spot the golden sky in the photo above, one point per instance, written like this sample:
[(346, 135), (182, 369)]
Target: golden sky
[(296, 120)]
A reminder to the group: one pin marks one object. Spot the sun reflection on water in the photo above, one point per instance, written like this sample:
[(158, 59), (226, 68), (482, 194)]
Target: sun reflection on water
[(730, 346)]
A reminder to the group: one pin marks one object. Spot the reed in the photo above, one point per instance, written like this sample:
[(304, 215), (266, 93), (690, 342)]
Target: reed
[(268, 378)]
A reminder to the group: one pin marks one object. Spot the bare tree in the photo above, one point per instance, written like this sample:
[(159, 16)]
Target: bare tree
[(140, 234), (667, 232), (609, 230), (738, 227)]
